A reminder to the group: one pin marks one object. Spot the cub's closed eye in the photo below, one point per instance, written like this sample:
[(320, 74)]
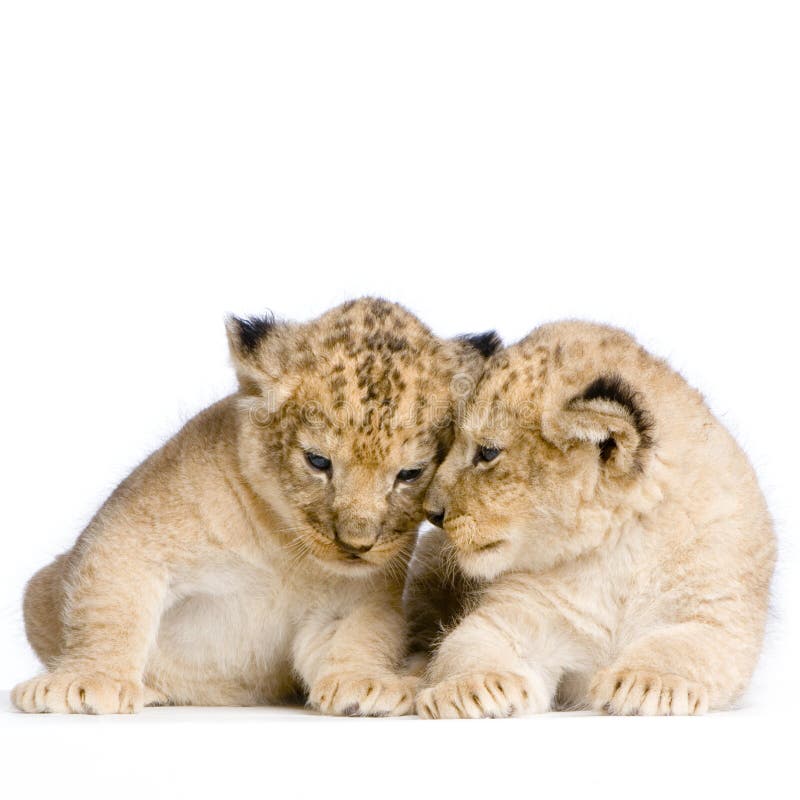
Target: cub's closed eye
[(487, 454), (318, 462), (410, 475)]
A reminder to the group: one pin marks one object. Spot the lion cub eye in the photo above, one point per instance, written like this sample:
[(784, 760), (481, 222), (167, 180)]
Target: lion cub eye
[(410, 475), (317, 461), (487, 454)]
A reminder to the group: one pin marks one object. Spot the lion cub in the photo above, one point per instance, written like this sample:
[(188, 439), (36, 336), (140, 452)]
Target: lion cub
[(262, 551), (618, 543)]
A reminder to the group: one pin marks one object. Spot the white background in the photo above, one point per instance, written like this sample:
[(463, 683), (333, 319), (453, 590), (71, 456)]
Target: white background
[(489, 165)]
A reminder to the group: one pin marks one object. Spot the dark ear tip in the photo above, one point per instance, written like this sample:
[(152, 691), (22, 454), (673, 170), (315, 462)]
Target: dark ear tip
[(487, 343), (249, 331), (614, 388)]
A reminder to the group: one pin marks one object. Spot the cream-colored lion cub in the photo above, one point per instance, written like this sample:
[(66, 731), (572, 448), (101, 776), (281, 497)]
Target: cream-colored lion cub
[(621, 547), (263, 549)]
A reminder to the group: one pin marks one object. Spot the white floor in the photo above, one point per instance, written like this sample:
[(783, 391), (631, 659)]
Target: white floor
[(285, 753)]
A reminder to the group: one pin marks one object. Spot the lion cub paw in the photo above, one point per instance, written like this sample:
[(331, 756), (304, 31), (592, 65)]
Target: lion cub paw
[(487, 694), (647, 693), (357, 696), (75, 693)]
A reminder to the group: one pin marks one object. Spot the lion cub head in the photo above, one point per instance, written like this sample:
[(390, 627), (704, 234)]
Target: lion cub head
[(552, 443), (343, 422)]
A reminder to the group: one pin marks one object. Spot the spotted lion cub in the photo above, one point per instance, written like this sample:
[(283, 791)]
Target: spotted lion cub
[(262, 551), (619, 546)]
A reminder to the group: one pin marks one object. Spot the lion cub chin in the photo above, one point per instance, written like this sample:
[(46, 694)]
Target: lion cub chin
[(261, 552), (607, 544)]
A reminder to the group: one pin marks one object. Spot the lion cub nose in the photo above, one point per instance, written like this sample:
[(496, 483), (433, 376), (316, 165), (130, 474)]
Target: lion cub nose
[(352, 548), (436, 518)]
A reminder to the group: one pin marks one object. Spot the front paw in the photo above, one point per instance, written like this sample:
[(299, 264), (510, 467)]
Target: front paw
[(623, 691), (78, 693), (482, 694), (354, 695)]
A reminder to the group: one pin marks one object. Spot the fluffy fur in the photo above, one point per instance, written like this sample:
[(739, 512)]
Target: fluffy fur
[(228, 569), (607, 542)]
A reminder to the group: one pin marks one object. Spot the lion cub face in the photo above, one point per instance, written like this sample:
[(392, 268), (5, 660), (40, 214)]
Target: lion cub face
[(552, 437), (344, 421)]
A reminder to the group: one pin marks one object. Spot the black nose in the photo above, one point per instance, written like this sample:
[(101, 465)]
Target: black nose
[(436, 518)]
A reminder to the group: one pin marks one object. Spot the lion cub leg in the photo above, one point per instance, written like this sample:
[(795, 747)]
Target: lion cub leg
[(682, 669), (42, 607), (351, 666), (102, 605), (497, 662)]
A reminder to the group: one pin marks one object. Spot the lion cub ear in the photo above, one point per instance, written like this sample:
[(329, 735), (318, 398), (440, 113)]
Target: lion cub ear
[(259, 348), (470, 352), (609, 414), (485, 344)]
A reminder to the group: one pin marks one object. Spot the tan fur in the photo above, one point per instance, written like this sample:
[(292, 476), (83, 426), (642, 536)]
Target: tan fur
[(623, 548), (226, 570)]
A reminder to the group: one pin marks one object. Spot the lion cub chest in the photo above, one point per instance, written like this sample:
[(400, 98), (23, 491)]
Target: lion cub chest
[(230, 621)]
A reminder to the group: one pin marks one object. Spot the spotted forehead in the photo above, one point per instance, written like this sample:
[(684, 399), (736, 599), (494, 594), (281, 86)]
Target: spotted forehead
[(387, 444), (373, 325), (517, 372), (511, 388), (376, 370)]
